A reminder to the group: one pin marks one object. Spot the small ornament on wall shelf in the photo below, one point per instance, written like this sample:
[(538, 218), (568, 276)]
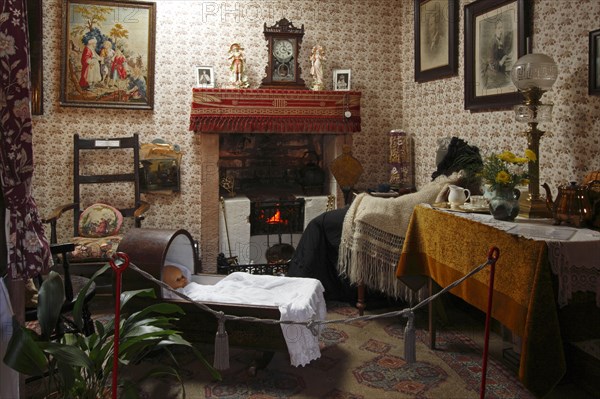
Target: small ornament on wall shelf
[(316, 67), (237, 77)]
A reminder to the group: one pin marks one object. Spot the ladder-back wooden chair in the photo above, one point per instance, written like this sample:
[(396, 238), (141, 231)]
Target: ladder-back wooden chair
[(106, 200)]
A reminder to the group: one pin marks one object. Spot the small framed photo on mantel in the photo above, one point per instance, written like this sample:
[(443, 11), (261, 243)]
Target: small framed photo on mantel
[(205, 77), (341, 79)]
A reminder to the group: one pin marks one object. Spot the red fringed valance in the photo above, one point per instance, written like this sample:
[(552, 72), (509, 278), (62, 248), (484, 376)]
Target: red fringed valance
[(274, 111)]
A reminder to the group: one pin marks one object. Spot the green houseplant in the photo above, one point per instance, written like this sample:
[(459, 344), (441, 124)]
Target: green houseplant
[(79, 366)]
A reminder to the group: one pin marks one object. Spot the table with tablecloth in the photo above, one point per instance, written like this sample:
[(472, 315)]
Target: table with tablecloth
[(444, 246)]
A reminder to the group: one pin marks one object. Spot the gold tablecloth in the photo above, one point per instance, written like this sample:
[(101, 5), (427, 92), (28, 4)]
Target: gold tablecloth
[(445, 247)]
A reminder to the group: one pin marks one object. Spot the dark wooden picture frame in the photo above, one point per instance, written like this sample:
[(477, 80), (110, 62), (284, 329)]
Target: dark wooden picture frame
[(436, 39), (496, 33), (36, 55), (594, 61), (108, 54)]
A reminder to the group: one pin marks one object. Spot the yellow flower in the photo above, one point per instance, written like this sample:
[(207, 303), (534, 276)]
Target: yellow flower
[(530, 155), (503, 177), (507, 156), (520, 160)]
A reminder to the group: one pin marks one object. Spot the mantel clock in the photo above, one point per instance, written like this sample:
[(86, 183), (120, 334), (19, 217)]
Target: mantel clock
[(283, 66)]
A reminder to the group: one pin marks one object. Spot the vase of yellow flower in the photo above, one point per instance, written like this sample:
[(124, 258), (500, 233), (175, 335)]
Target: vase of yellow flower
[(503, 172)]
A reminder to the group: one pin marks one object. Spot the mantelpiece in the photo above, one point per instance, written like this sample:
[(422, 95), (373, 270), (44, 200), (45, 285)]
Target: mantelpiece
[(275, 111), (215, 112)]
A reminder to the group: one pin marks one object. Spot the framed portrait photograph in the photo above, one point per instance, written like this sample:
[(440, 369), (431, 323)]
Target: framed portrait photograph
[(594, 61), (108, 54), (205, 76), (436, 39), (341, 79), (495, 38)]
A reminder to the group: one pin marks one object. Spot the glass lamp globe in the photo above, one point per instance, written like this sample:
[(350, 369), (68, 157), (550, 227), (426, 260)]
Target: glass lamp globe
[(534, 70)]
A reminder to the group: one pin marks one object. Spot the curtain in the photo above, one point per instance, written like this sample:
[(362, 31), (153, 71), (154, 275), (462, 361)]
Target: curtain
[(28, 250)]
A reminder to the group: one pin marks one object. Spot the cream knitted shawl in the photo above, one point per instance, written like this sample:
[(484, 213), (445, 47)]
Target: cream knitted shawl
[(373, 234)]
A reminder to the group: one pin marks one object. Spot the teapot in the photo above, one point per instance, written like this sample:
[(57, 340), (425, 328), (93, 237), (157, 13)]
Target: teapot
[(311, 175), (458, 195), (571, 205)]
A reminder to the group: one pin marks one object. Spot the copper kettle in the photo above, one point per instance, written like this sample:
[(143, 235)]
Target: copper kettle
[(571, 205)]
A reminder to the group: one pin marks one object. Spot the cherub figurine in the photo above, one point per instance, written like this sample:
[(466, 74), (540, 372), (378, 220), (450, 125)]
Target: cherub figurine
[(238, 78), (316, 67)]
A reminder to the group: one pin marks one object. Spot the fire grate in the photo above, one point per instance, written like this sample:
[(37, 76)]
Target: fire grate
[(277, 217)]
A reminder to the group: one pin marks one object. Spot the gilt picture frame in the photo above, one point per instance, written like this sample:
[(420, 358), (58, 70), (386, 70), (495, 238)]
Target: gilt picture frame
[(342, 79), (436, 39), (594, 64), (108, 54), (495, 36), (205, 76)]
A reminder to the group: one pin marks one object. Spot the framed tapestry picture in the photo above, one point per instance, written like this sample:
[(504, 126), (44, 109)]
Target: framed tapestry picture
[(594, 61), (436, 39), (495, 37), (108, 54), (341, 79), (205, 76)]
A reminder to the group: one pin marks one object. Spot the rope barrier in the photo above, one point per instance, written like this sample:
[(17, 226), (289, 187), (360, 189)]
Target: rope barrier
[(221, 343)]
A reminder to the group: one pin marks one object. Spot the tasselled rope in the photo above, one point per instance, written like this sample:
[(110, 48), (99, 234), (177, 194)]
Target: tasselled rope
[(221, 359)]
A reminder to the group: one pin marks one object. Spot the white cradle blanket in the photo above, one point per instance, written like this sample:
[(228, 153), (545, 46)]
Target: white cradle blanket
[(298, 299)]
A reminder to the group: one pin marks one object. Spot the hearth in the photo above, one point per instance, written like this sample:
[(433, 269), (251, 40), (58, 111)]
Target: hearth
[(248, 227), (277, 217)]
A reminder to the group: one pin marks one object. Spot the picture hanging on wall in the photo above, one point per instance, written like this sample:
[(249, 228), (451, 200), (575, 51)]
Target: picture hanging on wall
[(108, 54), (36, 58), (594, 61), (341, 79), (205, 77), (436, 39), (495, 37)]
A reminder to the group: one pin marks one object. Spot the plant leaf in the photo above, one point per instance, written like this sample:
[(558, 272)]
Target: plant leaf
[(23, 354), (51, 298), (80, 301), (69, 354), (127, 295)]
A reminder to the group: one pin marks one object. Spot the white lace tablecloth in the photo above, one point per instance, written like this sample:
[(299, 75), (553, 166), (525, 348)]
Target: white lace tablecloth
[(574, 253)]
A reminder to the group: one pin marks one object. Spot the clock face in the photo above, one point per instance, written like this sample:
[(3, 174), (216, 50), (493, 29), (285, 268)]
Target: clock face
[(283, 49), (284, 69)]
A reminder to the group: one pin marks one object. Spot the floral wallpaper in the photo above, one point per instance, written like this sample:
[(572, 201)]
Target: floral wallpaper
[(373, 38)]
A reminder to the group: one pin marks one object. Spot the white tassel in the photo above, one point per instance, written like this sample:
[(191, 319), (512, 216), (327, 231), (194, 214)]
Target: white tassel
[(410, 351), (221, 360)]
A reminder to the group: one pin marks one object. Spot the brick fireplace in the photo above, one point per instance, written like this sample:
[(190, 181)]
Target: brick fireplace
[(317, 123)]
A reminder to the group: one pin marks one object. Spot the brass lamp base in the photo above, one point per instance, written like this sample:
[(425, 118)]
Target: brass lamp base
[(533, 208)]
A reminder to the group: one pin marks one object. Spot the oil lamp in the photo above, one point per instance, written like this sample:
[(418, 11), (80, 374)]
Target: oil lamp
[(534, 74)]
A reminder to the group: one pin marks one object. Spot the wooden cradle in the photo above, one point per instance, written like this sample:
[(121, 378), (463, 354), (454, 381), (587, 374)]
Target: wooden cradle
[(150, 249)]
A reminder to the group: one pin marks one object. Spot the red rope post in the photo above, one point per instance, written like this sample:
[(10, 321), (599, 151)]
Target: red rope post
[(493, 255), (119, 269)]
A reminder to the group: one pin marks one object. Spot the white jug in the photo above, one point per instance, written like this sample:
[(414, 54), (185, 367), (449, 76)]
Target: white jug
[(458, 195)]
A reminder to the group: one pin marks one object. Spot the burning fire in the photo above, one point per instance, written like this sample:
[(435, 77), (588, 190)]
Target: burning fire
[(276, 219)]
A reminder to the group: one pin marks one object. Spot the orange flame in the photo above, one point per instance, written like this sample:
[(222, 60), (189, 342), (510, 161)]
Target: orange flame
[(276, 219)]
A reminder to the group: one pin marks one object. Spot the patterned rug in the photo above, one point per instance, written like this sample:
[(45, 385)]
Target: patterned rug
[(360, 360)]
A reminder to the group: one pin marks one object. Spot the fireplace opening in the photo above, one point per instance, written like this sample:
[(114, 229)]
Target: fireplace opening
[(268, 194), (277, 217)]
